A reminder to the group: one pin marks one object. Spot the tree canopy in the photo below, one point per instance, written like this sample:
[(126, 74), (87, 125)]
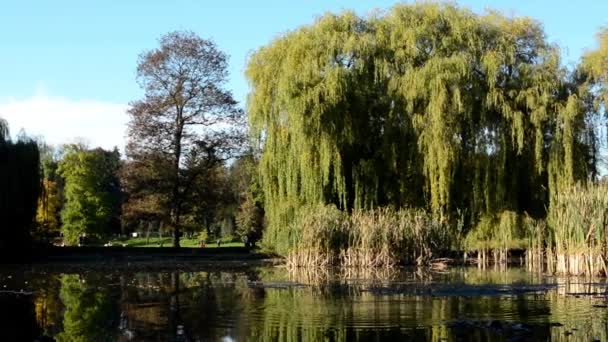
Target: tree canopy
[(187, 123), (92, 192), (426, 105)]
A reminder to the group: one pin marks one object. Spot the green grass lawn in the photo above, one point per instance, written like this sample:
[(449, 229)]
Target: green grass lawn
[(167, 242)]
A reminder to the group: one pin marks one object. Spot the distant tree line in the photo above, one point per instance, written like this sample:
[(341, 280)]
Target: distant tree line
[(188, 167), (77, 194)]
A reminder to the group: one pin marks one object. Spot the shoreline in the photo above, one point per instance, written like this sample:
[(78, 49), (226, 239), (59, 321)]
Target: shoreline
[(161, 258)]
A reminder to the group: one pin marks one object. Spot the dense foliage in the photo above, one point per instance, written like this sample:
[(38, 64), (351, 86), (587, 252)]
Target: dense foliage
[(88, 314), (428, 105), (92, 193), (50, 202), (19, 190)]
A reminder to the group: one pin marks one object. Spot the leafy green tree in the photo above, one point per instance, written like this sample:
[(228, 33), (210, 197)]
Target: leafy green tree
[(250, 214), (427, 105), (185, 116), (92, 192), (250, 219)]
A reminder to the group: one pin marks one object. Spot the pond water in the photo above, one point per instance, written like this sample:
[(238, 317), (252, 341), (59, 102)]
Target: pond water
[(272, 304)]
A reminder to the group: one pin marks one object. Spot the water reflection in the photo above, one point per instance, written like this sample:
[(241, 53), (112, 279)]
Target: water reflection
[(270, 304)]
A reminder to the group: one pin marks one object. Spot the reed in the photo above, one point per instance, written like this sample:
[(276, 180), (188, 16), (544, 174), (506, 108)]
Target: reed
[(538, 237), (577, 221), (325, 236), (494, 236)]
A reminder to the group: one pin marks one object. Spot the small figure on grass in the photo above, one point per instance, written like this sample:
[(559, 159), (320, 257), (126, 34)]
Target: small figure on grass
[(202, 237)]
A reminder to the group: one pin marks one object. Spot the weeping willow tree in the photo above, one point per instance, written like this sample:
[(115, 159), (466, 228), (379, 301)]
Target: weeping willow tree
[(19, 189), (427, 105)]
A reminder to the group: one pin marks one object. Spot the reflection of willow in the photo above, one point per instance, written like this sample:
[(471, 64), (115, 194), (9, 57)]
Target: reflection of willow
[(311, 314), (572, 305), (320, 276), (342, 307), (88, 314), (474, 276), (337, 305)]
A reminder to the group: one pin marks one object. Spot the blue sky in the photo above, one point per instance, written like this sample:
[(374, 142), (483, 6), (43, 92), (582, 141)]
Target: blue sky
[(67, 68)]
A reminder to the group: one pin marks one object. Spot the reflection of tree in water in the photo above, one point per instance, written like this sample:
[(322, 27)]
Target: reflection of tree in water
[(186, 306), (89, 314), (268, 304), (49, 312), (17, 318)]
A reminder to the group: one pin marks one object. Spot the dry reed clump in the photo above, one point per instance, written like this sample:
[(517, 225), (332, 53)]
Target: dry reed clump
[(366, 238), (577, 222)]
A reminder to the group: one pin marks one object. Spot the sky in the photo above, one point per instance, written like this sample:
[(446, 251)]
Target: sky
[(67, 68)]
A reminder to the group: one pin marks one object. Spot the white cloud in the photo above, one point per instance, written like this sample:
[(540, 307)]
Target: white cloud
[(60, 120)]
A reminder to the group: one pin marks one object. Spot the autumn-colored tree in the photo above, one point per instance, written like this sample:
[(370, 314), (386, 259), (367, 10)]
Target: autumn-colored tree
[(50, 202), (144, 182), (185, 116)]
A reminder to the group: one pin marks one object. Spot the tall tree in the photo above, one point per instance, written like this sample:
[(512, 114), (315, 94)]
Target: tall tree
[(250, 198), (427, 105), (19, 191), (50, 202), (92, 192), (185, 115)]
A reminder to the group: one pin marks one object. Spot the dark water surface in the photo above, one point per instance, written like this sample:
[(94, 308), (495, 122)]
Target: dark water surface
[(271, 304)]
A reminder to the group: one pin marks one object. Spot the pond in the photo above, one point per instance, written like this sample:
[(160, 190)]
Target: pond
[(70, 303)]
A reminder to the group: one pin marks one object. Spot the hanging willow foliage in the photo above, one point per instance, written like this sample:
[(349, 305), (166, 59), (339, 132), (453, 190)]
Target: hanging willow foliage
[(428, 105)]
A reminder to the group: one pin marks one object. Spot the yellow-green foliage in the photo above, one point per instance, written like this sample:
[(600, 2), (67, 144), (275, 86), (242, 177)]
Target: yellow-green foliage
[(323, 235), (595, 64), (426, 105), (536, 233), (501, 232), (578, 219)]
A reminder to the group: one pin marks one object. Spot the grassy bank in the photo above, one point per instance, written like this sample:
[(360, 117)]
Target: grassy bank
[(168, 242)]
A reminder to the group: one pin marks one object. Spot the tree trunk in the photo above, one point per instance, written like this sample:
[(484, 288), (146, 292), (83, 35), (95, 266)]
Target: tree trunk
[(177, 153), (176, 231), (176, 237)]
